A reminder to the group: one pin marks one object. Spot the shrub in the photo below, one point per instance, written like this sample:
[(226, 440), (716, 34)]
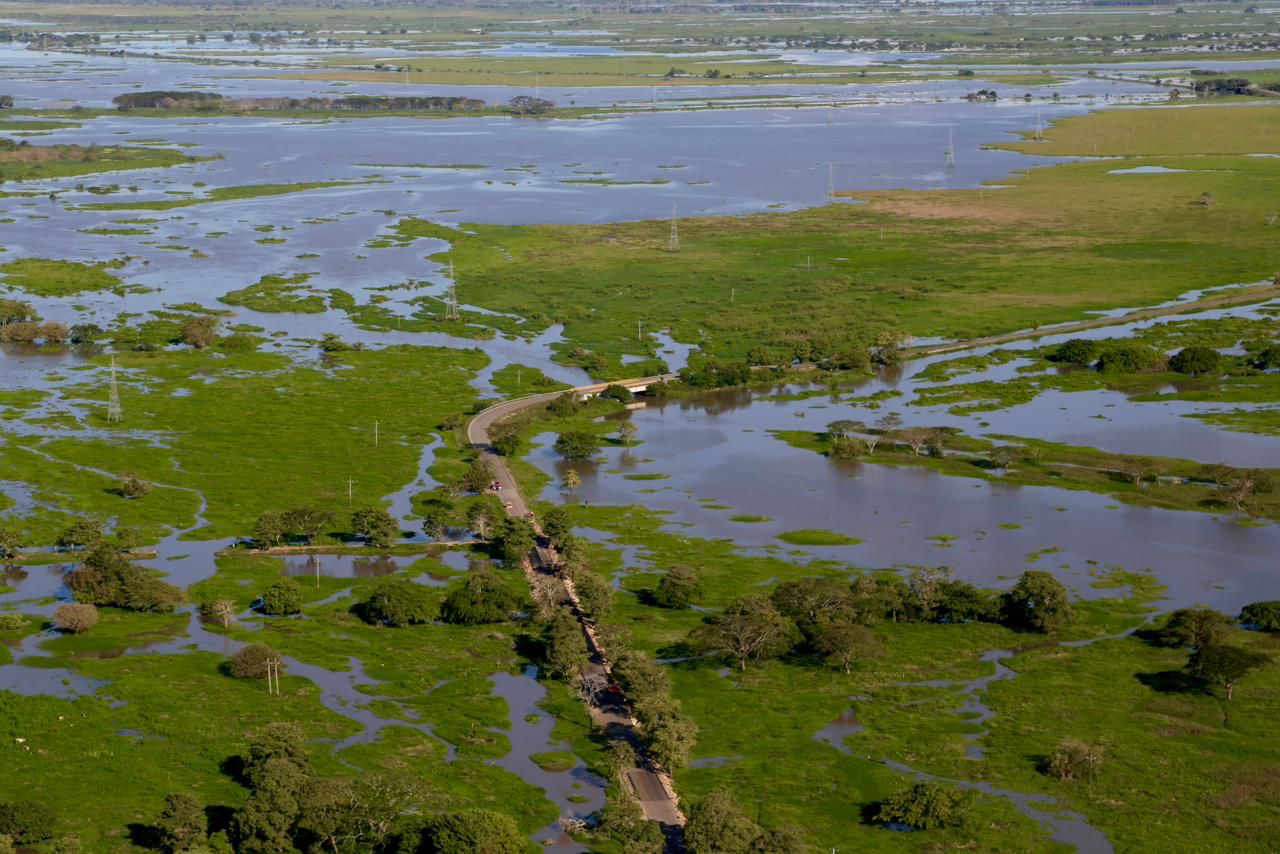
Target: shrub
[(12, 622), (26, 821), (282, 597), (1129, 359), (620, 393), (397, 602), (1037, 602), (926, 805), (482, 598), (577, 445), (475, 830), (132, 486), (1073, 759), (1262, 615), (251, 662), (1077, 351), (106, 578), (678, 588), (1196, 360), (76, 619)]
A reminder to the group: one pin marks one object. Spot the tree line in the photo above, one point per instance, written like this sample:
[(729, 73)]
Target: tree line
[(215, 102)]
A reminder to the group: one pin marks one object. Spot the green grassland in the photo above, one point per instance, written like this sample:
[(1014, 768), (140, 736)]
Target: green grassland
[(220, 194), (260, 435), (27, 165), (167, 723), (1060, 242), (46, 278)]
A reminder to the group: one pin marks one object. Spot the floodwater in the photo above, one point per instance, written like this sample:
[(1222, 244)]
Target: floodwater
[(718, 449)]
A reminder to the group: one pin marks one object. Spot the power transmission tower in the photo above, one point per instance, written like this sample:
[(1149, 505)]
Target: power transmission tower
[(451, 298), (673, 242), (1039, 128), (950, 153), (114, 412), (831, 180)]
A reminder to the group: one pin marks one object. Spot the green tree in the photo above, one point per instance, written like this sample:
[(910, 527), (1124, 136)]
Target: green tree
[(594, 594), (478, 477), (199, 331), (307, 520), (1195, 627), (104, 577), (628, 430), (669, 734), (220, 611), (270, 530), (1225, 666), (557, 524), (281, 598), (571, 481), (844, 644), (182, 824), (251, 661), (717, 825), (678, 588), (27, 822), (514, 540), (1073, 759), (132, 486), (482, 598), (1076, 351), (1037, 602), (472, 831), (376, 525), (81, 533), (398, 602), (328, 815), (1196, 360), (622, 820), (264, 825), (1129, 359), (926, 805), (1262, 615), (283, 740), (577, 445), (564, 648), (11, 542), (750, 628), (620, 393)]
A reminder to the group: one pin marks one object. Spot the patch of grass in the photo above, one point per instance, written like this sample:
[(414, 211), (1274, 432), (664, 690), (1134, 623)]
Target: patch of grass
[(46, 278), (817, 537), (222, 194), (275, 293)]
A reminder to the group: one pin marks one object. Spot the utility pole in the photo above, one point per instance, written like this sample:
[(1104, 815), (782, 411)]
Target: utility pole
[(639, 336), (673, 242), (350, 483), (375, 434), (273, 676), (114, 413), (451, 306)]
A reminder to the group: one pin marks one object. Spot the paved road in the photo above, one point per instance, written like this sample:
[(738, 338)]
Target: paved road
[(656, 798)]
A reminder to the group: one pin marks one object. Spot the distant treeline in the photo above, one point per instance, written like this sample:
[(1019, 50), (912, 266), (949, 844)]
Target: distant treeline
[(212, 101), (1235, 86)]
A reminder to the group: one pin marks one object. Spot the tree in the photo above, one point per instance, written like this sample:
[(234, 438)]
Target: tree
[(10, 542), (524, 105), (577, 445), (1129, 359), (622, 820), (628, 430), (1224, 665), (678, 588), (1262, 615), (104, 577), (807, 600), (1076, 351), (307, 520), (1196, 360), (564, 649), (1037, 602), (398, 602), (924, 590), (669, 734), (717, 825), (620, 393), (132, 486), (376, 525), (327, 814), (81, 533), (926, 805), (572, 480), (199, 331), (127, 538), (595, 596), (916, 438), (270, 530), (75, 618), (1195, 627), (514, 540), (482, 598), (874, 598), (251, 661), (264, 825), (845, 643), (1004, 457), (26, 822), (473, 831), (281, 598), (751, 628), (284, 740), (182, 824), (220, 611), (557, 524), (505, 440), (1073, 759), (478, 477), (480, 518)]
